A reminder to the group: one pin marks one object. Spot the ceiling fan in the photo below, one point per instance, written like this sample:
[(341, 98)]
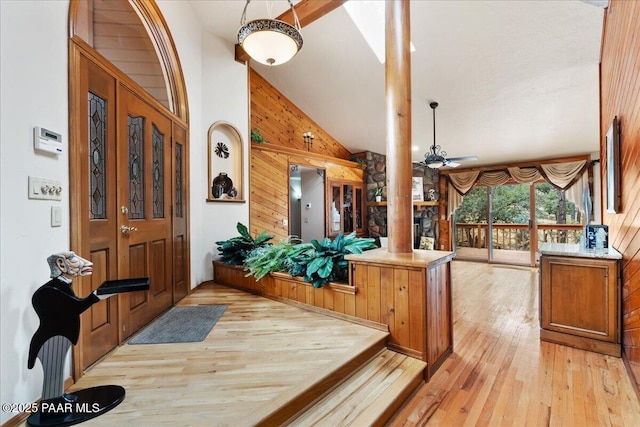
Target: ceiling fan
[(436, 158)]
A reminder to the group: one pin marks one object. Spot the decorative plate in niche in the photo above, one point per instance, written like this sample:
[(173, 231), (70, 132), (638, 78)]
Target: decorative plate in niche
[(222, 150), (226, 157)]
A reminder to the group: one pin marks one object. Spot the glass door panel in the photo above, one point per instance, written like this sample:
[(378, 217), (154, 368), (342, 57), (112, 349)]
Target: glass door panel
[(357, 202), (347, 215), (557, 219), (510, 224), (471, 227), (336, 203)]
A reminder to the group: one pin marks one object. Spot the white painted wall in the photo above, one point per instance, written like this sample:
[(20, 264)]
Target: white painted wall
[(313, 219), (33, 83), (225, 96)]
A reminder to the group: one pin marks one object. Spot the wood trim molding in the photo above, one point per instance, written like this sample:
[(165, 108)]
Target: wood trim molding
[(157, 27), (305, 154), (158, 30)]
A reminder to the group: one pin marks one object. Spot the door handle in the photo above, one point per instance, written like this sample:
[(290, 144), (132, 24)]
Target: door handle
[(125, 229)]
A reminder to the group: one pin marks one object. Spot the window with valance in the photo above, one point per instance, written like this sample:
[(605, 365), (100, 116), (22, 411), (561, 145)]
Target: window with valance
[(569, 176)]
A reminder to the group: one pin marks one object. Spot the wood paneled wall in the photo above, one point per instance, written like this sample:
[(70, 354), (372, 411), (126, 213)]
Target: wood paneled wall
[(118, 34), (282, 123), (269, 201), (620, 96), (269, 184)]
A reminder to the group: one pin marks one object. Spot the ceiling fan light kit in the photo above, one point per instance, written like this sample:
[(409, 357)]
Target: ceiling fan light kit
[(436, 158), (270, 41)]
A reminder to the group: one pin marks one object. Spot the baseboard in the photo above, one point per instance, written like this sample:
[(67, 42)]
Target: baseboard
[(19, 419), (634, 381)]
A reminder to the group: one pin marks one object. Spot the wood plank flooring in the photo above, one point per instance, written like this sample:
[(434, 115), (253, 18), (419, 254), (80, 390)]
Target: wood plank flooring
[(258, 353), (502, 375), (499, 375), (370, 396)]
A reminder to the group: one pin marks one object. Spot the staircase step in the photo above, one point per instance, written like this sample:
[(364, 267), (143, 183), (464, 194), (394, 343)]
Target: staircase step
[(284, 407), (370, 396)]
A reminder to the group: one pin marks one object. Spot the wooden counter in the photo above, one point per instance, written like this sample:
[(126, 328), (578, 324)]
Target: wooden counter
[(418, 258), (411, 293), (580, 297)]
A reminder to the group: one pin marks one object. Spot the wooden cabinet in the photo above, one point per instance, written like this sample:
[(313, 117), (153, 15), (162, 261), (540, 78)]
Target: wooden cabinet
[(580, 302), (411, 293), (345, 207)]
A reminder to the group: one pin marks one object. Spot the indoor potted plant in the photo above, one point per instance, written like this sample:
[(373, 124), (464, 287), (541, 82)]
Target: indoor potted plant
[(321, 262), (378, 194), (234, 250)]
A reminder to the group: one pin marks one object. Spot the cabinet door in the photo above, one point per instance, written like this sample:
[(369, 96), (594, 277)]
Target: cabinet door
[(579, 297), (348, 209), (358, 209), (334, 209), (345, 208)]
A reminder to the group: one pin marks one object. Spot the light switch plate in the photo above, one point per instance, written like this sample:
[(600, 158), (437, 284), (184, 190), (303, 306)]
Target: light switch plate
[(56, 216), (45, 189)]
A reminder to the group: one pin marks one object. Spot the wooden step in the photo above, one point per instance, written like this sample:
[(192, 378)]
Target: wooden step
[(370, 396), (286, 405)]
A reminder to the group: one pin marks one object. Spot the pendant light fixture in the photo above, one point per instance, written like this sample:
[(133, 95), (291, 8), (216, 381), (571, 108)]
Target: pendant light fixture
[(270, 41)]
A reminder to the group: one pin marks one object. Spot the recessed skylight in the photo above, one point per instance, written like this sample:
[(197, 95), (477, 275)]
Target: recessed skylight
[(368, 15)]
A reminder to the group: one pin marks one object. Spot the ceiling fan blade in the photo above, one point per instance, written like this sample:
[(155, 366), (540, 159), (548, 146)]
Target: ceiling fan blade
[(462, 158), (452, 164)]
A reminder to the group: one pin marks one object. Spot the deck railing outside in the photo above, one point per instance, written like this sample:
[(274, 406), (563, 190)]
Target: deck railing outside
[(514, 236)]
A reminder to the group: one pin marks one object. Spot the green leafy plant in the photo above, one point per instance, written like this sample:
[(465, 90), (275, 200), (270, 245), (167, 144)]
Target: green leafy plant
[(378, 191), (323, 262), (257, 137), (362, 163), (272, 258), (235, 250)]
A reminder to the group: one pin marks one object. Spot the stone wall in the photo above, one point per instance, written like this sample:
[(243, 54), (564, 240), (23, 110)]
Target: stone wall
[(425, 217)]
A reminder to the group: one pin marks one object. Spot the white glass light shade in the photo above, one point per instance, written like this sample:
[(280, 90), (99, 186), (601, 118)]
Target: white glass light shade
[(435, 165), (269, 41)]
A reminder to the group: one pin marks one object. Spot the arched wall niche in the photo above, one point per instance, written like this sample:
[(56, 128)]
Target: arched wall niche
[(113, 27), (226, 162)]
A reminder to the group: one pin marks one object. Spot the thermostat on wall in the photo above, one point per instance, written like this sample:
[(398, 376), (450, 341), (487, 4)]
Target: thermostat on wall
[(47, 141)]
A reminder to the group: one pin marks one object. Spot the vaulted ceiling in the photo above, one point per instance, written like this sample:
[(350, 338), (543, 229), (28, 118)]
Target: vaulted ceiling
[(515, 80)]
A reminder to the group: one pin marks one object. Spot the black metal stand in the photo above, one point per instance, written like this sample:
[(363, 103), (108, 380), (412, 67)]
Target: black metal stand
[(77, 407), (59, 311)]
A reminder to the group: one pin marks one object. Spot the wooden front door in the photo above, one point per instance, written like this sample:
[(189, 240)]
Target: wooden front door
[(144, 209), (124, 173), (97, 179)]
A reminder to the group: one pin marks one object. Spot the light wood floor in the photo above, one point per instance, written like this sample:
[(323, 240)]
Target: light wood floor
[(256, 355), (502, 375)]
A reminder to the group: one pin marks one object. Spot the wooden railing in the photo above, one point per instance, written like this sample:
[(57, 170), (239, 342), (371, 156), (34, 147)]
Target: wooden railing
[(560, 233), (514, 236)]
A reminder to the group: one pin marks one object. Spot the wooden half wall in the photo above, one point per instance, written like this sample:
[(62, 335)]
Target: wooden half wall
[(620, 96)]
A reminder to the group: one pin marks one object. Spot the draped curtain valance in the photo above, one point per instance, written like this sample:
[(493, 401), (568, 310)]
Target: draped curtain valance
[(560, 175)]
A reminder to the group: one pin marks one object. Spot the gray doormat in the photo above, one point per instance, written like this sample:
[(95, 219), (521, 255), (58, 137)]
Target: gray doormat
[(181, 324)]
